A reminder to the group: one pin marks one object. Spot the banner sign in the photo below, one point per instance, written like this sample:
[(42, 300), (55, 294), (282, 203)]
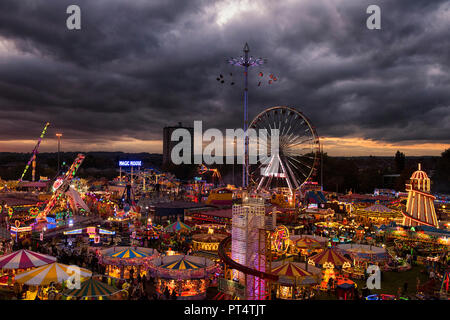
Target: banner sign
[(136, 163)]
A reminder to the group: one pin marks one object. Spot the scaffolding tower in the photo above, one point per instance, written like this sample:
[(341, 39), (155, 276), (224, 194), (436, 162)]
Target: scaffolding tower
[(247, 247)]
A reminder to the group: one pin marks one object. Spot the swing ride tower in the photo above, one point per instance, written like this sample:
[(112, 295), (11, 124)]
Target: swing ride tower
[(246, 62)]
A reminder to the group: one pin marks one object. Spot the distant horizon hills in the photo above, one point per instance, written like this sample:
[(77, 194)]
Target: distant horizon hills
[(160, 154), (357, 173)]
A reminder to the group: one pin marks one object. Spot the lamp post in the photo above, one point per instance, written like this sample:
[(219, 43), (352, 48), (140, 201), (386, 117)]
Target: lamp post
[(59, 135)]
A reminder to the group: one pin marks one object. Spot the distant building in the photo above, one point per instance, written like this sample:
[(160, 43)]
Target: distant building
[(168, 144)]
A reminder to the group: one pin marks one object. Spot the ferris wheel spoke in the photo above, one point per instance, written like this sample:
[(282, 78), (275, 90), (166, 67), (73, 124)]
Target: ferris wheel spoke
[(300, 162), (298, 169), (296, 140), (298, 124), (297, 151), (294, 178), (303, 141)]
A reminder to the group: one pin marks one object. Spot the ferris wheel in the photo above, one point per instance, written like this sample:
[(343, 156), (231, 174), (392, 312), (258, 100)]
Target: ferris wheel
[(299, 150)]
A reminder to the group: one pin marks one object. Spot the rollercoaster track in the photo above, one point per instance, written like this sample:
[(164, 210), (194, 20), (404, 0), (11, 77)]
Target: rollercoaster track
[(234, 265)]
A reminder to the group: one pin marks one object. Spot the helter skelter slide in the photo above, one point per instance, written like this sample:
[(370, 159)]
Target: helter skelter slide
[(419, 206)]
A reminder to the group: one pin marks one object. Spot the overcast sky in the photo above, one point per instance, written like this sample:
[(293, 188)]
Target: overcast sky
[(139, 65)]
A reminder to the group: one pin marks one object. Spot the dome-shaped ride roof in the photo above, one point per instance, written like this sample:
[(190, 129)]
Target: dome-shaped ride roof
[(419, 174)]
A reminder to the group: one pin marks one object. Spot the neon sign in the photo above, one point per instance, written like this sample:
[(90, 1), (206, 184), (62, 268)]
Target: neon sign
[(136, 163)]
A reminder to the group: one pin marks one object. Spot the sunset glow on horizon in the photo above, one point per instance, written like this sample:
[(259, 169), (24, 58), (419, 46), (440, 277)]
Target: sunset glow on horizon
[(333, 146)]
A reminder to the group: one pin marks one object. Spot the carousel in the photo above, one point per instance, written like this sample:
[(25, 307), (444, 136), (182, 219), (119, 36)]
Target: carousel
[(307, 245), (331, 261), (362, 256), (207, 241), (189, 276), (126, 262), (178, 226), (296, 281), (378, 214)]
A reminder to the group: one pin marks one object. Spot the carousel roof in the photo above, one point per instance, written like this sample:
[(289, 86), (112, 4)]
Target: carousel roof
[(92, 288), (290, 270), (329, 256), (419, 174), (307, 242), (182, 264), (177, 226), (364, 251), (24, 259), (208, 237), (129, 254), (378, 208), (44, 275)]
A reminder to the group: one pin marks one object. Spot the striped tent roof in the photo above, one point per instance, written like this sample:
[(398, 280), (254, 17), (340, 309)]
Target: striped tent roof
[(182, 264), (177, 226), (290, 270), (129, 254), (92, 288), (24, 259), (44, 275), (329, 256), (307, 242), (378, 208)]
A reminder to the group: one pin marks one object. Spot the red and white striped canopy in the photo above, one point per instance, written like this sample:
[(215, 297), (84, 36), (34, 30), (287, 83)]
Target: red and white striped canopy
[(24, 259)]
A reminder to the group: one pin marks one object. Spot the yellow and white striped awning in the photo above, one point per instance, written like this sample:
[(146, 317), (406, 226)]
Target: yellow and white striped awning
[(54, 272)]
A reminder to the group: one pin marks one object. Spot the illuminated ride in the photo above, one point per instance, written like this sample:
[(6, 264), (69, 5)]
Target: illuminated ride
[(220, 196), (299, 149), (215, 173), (280, 240), (94, 233), (120, 261), (420, 206), (32, 160), (154, 180), (189, 275), (62, 187)]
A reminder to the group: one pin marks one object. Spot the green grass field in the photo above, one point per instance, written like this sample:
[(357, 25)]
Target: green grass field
[(390, 283)]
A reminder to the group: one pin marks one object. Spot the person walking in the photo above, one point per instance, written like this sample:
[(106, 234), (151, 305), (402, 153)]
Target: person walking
[(173, 296), (167, 293), (405, 288)]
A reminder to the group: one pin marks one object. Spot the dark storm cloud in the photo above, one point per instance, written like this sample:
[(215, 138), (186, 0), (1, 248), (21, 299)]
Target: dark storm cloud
[(137, 66)]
